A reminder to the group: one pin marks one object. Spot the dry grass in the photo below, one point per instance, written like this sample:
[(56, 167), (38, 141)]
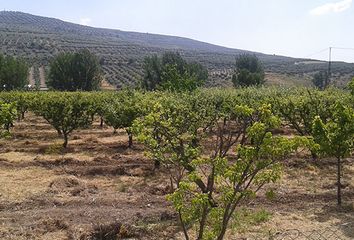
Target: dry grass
[(99, 185), (17, 185)]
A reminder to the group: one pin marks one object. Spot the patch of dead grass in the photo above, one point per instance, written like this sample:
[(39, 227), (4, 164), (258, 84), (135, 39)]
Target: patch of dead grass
[(18, 185)]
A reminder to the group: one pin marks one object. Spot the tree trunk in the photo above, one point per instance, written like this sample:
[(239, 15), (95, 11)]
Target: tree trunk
[(202, 223), (314, 155), (157, 164), (65, 144), (130, 136), (101, 123), (59, 132), (339, 185), (185, 232)]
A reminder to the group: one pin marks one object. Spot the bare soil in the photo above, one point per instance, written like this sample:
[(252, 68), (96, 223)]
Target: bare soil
[(98, 188)]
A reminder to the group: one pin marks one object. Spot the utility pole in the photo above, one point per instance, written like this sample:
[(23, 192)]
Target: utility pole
[(329, 67)]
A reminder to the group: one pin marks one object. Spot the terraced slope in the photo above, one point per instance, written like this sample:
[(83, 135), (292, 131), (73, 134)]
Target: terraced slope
[(38, 39)]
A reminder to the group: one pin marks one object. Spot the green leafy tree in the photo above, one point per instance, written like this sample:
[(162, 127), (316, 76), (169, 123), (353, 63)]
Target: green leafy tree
[(171, 69), (248, 71), (22, 99), (8, 114), (64, 111), (75, 71), (209, 185), (172, 80), (336, 138), (319, 80), (121, 111), (299, 112), (152, 73), (13, 73), (351, 86), (174, 58)]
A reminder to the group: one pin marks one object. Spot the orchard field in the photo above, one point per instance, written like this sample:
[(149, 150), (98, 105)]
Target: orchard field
[(161, 165)]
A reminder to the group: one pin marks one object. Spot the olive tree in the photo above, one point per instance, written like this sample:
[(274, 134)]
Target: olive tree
[(248, 71), (13, 73), (319, 80), (75, 71), (171, 69)]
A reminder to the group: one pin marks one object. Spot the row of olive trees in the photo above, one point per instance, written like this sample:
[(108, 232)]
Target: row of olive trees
[(68, 72), (172, 72), (82, 71)]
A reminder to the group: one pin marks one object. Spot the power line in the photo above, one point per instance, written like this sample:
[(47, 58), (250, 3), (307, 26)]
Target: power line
[(343, 48), (315, 53), (326, 50)]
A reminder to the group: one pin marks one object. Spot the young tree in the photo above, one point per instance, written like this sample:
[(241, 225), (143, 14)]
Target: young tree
[(336, 138), (209, 185), (13, 73), (299, 112), (66, 112), (8, 114), (121, 112), (22, 100), (75, 71), (248, 71)]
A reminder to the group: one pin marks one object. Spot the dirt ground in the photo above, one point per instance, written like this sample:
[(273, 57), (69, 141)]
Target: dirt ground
[(100, 189)]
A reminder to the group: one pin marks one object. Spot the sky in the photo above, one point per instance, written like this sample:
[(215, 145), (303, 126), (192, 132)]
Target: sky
[(296, 28)]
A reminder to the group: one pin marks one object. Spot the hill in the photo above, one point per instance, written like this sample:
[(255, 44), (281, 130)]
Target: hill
[(38, 39)]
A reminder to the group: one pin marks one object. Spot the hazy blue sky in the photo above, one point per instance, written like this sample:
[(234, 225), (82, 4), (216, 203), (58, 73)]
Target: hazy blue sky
[(296, 28)]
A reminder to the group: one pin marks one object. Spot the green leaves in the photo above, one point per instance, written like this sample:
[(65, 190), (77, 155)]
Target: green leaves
[(209, 182), (75, 71), (248, 71), (351, 86), (8, 114), (221, 146), (13, 73), (64, 111), (336, 137), (171, 72)]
